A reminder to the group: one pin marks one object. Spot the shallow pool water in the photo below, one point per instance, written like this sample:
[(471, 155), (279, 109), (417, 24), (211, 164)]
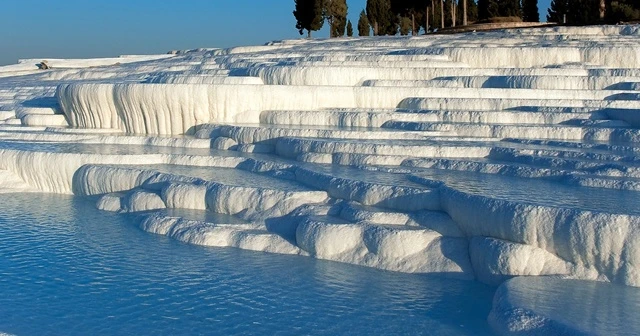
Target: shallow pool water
[(69, 269), (582, 307)]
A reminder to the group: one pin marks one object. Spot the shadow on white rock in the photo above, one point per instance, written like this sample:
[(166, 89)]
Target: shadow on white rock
[(495, 260)]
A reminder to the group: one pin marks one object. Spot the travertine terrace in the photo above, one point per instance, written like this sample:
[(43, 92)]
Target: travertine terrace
[(482, 156)]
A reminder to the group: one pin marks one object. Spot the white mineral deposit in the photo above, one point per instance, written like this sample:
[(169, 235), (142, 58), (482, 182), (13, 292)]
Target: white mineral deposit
[(515, 165)]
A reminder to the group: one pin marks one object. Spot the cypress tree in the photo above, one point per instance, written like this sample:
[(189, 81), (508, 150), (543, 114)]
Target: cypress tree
[(557, 10), (440, 14), (301, 13), (472, 12), (308, 14), (483, 10), (405, 26), (578, 12), (417, 9), (363, 25), (622, 10), (349, 28), (582, 12), (488, 9), (407, 12), (530, 11), (381, 17), (336, 13), (318, 19), (510, 8), (373, 14), (494, 8)]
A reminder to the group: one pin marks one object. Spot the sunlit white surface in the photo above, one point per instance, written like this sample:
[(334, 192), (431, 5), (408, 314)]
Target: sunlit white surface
[(481, 156)]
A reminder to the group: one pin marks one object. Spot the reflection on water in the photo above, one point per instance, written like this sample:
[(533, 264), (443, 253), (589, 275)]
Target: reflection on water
[(106, 149), (538, 191), (597, 307), (67, 268), (227, 176)]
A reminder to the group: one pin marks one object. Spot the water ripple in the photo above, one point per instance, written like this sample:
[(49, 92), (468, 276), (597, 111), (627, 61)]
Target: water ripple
[(67, 268)]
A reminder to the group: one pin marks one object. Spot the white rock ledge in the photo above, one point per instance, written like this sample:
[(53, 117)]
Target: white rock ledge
[(379, 152)]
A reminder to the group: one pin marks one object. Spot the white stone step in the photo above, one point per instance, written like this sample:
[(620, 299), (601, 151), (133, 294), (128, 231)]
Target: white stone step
[(44, 120), (395, 248), (605, 175), (25, 111), (515, 82), (292, 147), (349, 76), (562, 132), (522, 191), (4, 115), (221, 190), (497, 104), (269, 134), (377, 117), (381, 189), (432, 220), (545, 154), (534, 168), (511, 208), (535, 56), (378, 64), (624, 151), (221, 233), (10, 183), (356, 56), (11, 122)]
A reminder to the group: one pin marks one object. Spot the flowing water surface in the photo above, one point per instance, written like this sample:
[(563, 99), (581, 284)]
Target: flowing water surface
[(67, 268)]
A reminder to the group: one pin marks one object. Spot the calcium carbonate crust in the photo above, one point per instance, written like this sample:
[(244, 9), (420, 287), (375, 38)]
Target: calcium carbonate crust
[(348, 150)]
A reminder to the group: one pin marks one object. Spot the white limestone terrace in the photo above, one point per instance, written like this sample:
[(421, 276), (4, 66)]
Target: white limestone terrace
[(485, 156)]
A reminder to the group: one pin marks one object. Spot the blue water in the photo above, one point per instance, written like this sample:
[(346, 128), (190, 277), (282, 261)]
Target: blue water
[(592, 307), (69, 269)]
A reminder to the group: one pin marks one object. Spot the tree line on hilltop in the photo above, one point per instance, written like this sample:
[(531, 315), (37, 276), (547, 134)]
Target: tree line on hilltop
[(404, 17), (583, 12)]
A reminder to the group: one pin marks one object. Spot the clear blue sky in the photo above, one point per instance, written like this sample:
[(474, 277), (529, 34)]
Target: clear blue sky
[(100, 28)]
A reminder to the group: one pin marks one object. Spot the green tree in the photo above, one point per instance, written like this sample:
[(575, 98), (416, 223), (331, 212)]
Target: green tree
[(623, 10), (483, 9), (349, 28), (308, 14), (583, 12), (363, 24), (418, 13), (472, 12), (557, 10), (336, 13), (578, 12), (509, 8), (488, 9), (405, 26), (381, 17), (412, 13), (530, 11), (408, 14)]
